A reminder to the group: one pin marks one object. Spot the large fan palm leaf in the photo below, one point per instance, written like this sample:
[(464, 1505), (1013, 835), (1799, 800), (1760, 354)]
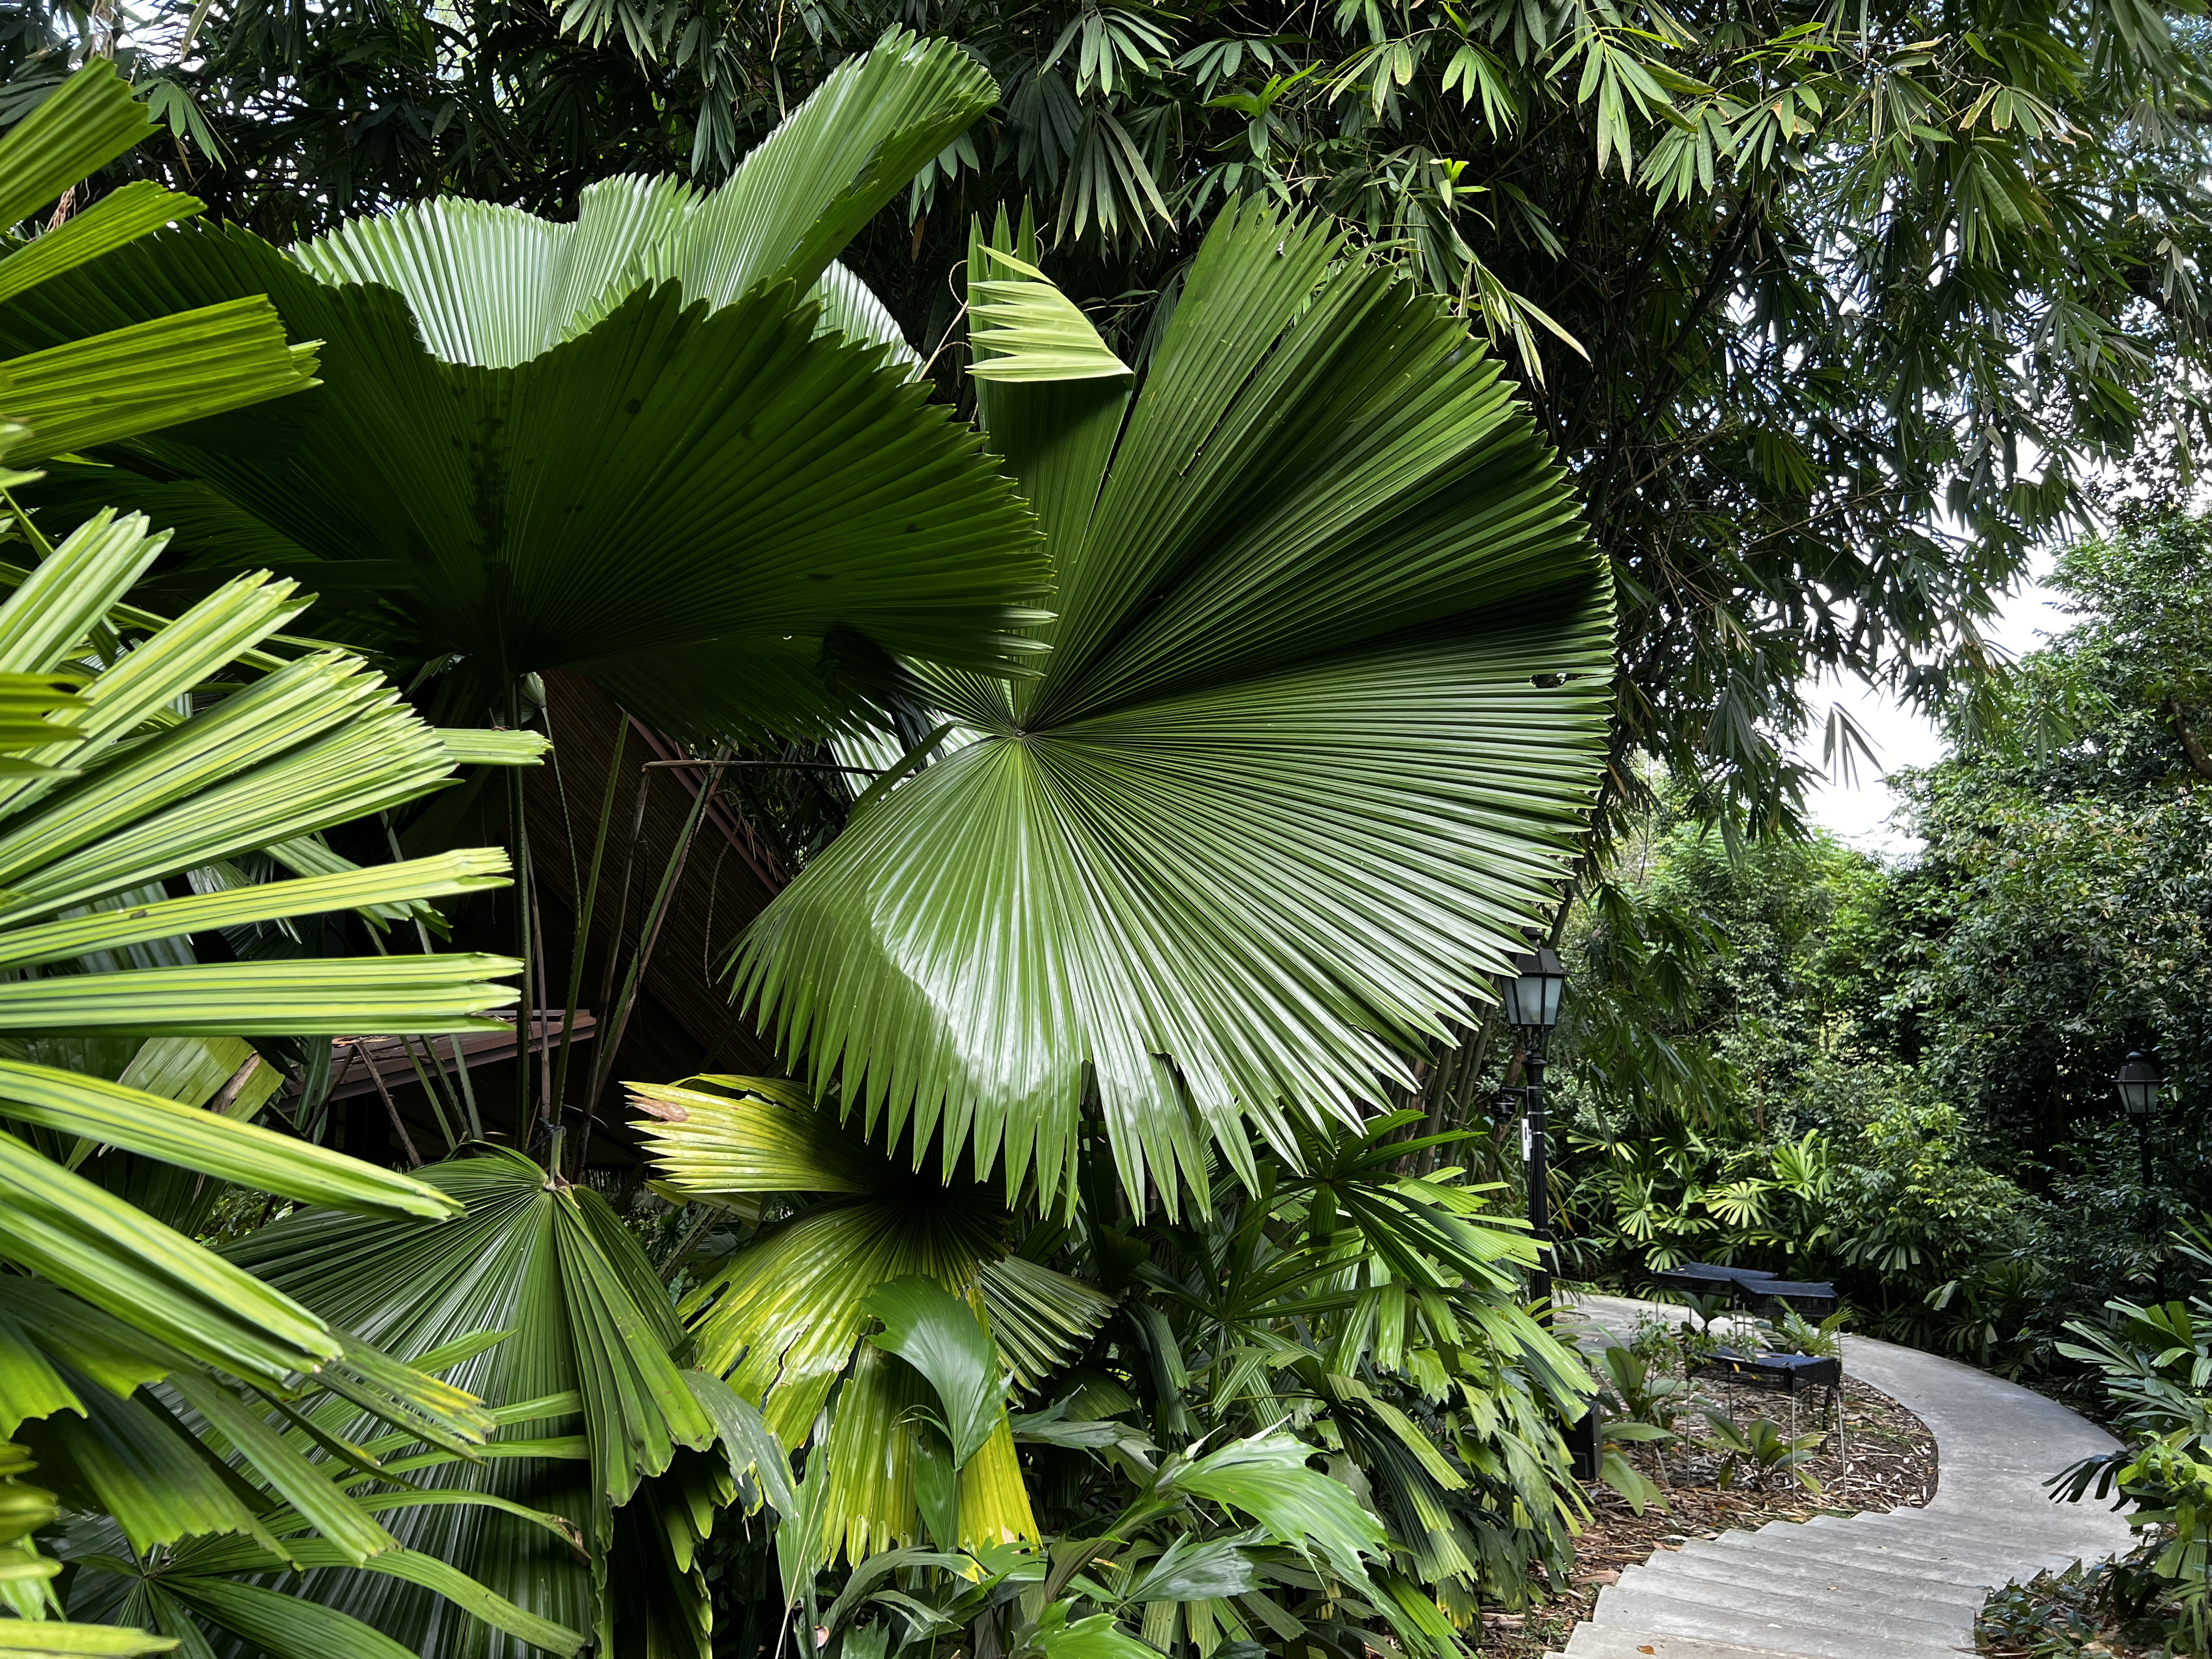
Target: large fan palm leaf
[(621, 444), (1324, 710)]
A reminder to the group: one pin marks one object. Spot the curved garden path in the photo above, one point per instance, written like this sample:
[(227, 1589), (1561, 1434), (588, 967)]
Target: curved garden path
[(1903, 1585)]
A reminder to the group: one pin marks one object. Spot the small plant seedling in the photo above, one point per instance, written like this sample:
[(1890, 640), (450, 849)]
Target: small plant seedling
[(1790, 1331), (1762, 1447), (1638, 1393)]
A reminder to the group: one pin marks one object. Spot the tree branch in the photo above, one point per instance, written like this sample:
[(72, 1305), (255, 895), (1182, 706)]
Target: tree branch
[(2200, 761)]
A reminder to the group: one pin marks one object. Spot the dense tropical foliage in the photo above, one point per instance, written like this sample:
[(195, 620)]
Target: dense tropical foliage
[(1833, 312), (673, 446), (1283, 519), (1902, 1072)]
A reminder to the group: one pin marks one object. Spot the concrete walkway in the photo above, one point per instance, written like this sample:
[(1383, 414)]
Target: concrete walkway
[(1903, 1585)]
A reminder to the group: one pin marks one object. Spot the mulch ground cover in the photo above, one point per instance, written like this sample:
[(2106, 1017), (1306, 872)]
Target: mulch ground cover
[(1884, 1459)]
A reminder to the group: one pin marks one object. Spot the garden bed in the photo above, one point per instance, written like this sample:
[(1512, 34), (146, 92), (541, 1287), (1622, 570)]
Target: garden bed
[(1891, 1459), (2102, 1610)]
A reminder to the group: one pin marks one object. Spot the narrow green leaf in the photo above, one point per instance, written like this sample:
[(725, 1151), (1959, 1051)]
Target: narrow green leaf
[(48, 1640), (115, 1115), (154, 374), (86, 1240), (278, 998), (471, 870), (284, 1627), (122, 215), (465, 746), (351, 1534), (82, 125)]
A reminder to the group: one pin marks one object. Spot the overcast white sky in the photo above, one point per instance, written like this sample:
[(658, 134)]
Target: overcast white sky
[(1860, 814)]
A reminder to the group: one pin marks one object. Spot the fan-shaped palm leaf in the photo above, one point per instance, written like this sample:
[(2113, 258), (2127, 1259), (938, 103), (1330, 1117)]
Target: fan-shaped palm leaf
[(1324, 709), (618, 446), (594, 1405)]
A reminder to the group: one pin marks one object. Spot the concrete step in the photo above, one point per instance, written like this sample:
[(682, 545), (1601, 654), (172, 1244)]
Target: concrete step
[(1871, 1635), (1845, 1584), (1996, 1527), (1991, 1540), (1930, 1541), (1807, 1601), (1862, 1555), (1983, 1544), (1603, 1642)]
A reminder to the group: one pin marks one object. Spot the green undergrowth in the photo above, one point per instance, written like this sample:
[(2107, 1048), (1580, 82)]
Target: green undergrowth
[(2117, 1608)]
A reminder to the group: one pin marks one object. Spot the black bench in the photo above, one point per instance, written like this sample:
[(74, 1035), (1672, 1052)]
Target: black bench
[(1812, 1298), (1790, 1372), (1704, 1278), (1750, 1288)]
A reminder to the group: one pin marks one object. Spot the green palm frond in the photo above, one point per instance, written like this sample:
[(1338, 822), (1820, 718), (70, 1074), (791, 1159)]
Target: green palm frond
[(596, 1413), (1323, 713), (159, 1385), (788, 1319), (177, 364), (623, 445), (131, 794), (1021, 328), (494, 286), (54, 1640)]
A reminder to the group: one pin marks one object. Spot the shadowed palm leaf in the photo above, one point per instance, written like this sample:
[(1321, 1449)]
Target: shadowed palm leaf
[(619, 446), (1324, 710)]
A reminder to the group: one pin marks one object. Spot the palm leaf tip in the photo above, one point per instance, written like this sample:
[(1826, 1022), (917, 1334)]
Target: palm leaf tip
[(1325, 710), (1023, 328)]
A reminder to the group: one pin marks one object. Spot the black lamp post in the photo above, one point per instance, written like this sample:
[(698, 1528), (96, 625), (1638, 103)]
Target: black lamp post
[(1530, 1003), (2140, 1078)]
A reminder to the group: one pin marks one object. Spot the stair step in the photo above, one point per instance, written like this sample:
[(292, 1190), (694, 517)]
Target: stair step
[(2043, 1532), (1872, 1636), (1932, 1545), (1939, 1625), (1603, 1642), (1865, 1556), (1845, 1584), (2011, 1545)]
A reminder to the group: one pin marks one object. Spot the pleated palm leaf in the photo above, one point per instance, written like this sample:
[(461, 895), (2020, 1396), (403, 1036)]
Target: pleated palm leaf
[(596, 1412), (162, 367), (1324, 711), (641, 444), (788, 1320)]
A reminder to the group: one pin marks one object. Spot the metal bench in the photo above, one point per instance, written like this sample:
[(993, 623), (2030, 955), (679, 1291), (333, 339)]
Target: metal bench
[(1752, 1289), (1813, 1298), (1790, 1372)]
